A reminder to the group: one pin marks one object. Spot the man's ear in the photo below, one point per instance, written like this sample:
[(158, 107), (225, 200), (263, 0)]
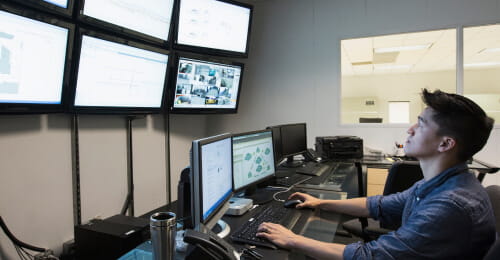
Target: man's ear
[(447, 144)]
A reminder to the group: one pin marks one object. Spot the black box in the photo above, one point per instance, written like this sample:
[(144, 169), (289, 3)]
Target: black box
[(339, 147), (110, 238)]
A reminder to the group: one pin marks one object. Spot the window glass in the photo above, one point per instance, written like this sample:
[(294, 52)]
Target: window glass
[(399, 112), (482, 67), (377, 70)]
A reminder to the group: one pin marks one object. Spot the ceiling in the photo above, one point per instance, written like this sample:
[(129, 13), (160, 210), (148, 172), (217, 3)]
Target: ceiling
[(438, 51)]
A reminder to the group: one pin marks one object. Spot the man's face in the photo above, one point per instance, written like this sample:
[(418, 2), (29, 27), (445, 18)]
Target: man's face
[(423, 141)]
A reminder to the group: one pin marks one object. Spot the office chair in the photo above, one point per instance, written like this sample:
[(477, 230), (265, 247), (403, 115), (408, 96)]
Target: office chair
[(401, 176), (494, 195)]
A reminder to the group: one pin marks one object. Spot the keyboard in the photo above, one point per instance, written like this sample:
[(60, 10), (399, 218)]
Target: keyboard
[(273, 212), (291, 180), (312, 168)]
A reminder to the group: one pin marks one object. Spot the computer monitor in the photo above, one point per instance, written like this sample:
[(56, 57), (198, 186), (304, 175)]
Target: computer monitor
[(206, 85), (278, 155), (293, 142), (61, 7), (118, 76), (212, 187), (35, 50), (146, 19), (253, 161), (215, 27)]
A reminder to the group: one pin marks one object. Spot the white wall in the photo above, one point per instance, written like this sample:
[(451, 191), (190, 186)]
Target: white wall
[(36, 199), (293, 70)]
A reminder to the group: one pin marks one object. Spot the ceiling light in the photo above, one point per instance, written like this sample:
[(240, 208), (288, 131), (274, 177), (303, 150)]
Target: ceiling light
[(402, 48), (490, 50), (482, 64), (391, 67)]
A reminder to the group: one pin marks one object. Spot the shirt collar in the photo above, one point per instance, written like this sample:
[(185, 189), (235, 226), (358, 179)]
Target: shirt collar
[(427, 186)]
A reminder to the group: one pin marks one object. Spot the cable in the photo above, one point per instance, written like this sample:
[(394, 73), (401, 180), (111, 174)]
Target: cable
[(289, 188), (17, 241)]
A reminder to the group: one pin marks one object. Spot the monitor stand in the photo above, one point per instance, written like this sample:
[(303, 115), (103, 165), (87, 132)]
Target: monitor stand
[(291, 163), (258, 195), (222, 229)]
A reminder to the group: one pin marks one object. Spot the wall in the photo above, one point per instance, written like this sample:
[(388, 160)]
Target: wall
[(293, 71), (36, 199)]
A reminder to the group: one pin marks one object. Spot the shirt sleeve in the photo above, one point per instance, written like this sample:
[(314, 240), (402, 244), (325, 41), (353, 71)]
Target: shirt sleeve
[(426, 234), (389, 209)]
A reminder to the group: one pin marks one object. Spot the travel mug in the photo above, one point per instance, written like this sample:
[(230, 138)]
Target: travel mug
[(163, 231)]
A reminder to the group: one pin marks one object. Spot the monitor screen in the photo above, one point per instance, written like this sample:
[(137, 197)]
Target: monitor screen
[(60, 3), (253, 158), (206, 86), (62, 7), (293, 139), (214, 27), (148, 19), (119, 75), (212, 178), (33, 68)]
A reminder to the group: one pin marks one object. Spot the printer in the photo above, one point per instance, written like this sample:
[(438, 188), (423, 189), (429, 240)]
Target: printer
[(339, 147)]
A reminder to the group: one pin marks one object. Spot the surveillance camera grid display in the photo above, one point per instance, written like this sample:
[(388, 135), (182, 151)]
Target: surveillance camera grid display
[(206, 85)]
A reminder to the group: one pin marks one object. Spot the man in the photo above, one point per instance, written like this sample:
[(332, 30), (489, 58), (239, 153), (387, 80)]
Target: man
[(447, 215)]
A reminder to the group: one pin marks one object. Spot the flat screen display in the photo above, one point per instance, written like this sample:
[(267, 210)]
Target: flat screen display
[(60, 3), (149, 17), (253, 158), (216, 175), (203, 86), (112, 74), (32, 60), (211, 24)]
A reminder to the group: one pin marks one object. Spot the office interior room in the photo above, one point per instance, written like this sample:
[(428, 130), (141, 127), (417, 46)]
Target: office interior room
[(292, 74)]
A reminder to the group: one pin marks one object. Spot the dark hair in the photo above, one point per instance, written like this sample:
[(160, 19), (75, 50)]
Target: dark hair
[(461, 119)]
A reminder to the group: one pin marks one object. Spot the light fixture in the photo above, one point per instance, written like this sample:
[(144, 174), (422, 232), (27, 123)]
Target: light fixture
[(497, 49), (391, 67), (402, 48), (482, 64)]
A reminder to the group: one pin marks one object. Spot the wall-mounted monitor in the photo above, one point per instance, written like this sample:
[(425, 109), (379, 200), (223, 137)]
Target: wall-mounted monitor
[(213, 27), (118, 76), (35, 51), (205, 85), (146, 19), (62, 7)]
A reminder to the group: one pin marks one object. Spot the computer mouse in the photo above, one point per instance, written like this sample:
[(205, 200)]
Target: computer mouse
[(291, 203)]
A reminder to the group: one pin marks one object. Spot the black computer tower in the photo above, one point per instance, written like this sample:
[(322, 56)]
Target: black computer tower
[(110, 238)]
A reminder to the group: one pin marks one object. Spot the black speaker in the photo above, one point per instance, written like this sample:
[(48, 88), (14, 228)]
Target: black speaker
[(184, 199)]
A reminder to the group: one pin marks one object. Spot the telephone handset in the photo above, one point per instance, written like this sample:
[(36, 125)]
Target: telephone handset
[(207, 246)]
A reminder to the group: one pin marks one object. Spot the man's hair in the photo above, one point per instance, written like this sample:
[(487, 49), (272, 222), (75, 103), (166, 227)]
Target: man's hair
[(461, 119)]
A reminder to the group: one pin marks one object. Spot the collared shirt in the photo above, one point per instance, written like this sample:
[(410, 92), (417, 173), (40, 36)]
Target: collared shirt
[(447, 217)]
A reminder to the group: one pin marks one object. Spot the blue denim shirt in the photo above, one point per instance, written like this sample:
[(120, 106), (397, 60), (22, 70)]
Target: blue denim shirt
[(447, 217)]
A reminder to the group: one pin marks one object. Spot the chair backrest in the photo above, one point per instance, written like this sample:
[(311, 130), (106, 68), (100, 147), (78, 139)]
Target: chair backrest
[(402, 175), (494, 195)]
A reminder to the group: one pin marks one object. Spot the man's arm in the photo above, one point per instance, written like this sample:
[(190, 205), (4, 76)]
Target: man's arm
[(355, 207)]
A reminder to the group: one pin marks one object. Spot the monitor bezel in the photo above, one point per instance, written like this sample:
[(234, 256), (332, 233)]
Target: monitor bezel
[(72, 108), (239, 189), (201, 58), (124, 31), (49, 7), (37, 108), (212, 51), (285, 155), (197, 181)]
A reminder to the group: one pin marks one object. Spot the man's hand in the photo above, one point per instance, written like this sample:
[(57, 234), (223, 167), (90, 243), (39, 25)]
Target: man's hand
[(308, 200), (277, 234)]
